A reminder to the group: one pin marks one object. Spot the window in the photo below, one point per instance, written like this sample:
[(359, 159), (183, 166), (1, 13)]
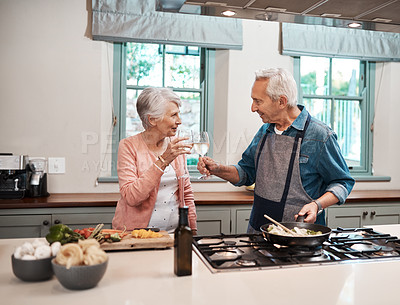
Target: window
[(338, 92), (187, 70)]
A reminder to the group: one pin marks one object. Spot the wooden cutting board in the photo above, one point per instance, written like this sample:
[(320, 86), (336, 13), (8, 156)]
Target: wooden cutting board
[(130, 243)]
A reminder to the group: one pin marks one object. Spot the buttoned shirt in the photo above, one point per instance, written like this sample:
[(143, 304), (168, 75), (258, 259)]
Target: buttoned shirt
[(322, 165)]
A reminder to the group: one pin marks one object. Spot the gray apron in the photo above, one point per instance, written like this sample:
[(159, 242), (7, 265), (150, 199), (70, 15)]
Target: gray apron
[(279, 192)]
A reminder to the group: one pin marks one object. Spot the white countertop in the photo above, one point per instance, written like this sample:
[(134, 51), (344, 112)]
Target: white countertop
[(146, 277)]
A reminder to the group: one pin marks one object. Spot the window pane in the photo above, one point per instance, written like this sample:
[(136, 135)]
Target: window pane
[(348, 129), (345, 77), (143, 65), (320, 109), (314, 73), (190, 115), (182, 71), (133, 122), (190, 110)]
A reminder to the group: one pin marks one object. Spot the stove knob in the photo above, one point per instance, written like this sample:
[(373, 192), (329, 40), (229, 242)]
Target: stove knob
[(365, 213)]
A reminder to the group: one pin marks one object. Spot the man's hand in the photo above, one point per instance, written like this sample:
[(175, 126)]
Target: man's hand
[(207, 166), (310, 211)]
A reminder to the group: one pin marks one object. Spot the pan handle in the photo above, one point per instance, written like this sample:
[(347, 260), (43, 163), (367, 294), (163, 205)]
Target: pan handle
[(300, 218)]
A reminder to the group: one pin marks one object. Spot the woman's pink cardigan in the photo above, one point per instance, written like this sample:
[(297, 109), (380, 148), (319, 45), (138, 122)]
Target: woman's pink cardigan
[(139, 180)]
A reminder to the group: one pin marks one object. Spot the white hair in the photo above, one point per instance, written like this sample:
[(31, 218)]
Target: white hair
[(281, 82), (152, 103)]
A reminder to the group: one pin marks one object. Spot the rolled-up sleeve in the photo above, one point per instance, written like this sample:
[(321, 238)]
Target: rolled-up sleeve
[(334, 170)]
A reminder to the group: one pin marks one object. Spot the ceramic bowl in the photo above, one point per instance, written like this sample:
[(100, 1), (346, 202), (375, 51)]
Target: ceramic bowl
[(32, 270), (79, 277)]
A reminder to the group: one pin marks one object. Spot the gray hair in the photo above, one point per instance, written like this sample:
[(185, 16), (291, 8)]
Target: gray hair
[(152, 103), (281, 82)]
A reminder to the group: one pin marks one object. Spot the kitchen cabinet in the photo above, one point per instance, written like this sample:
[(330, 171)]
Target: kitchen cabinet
[(213, 220), (242, 220), (353, 216), (17, 226), (226, 219), (20, 223)]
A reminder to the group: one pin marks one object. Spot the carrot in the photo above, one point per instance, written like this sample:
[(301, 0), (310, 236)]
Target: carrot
[(112, 231)]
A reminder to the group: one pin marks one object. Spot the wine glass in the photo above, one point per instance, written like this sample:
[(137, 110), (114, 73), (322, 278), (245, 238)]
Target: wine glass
[(201, 144), (186, 134)]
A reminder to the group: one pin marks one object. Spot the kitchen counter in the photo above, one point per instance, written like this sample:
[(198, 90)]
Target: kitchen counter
[(201, 198), (146, 277)]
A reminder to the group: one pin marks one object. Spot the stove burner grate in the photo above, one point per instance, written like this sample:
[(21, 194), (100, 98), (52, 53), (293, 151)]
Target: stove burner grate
[(246, 263), (252, 252)]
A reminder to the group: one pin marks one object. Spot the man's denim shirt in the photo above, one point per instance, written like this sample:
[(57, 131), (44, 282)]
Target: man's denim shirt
[(322, 166)]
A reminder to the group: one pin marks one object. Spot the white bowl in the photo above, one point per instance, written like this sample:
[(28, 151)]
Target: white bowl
[(79, 277)]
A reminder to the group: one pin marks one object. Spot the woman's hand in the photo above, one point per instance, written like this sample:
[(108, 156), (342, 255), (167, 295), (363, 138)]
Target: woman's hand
[(175, 148)]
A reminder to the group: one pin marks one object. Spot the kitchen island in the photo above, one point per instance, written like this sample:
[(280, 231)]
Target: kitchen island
[(146, 277)]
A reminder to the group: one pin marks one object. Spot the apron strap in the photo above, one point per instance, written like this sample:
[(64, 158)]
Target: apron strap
[(260, 148), (299, 135)]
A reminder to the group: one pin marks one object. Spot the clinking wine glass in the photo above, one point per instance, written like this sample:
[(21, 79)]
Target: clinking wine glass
[(181, 179), (201, 144)]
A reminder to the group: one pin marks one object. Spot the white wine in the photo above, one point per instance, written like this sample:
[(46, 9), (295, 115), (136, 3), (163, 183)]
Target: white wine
[(200, 148)]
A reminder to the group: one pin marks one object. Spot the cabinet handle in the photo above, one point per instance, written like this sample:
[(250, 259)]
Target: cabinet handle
[(57, 221), (46, 223), (373, 213), (365, 213)]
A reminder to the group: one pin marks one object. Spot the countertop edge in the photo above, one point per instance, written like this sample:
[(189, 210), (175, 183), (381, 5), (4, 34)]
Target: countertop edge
[(201, 198)]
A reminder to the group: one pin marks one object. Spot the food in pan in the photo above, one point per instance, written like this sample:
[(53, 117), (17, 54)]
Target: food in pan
[(273, 229), (142, 233)]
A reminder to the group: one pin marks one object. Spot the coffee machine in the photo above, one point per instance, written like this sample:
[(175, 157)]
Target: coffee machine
[(14, 176), (38, 178), (22, 177)]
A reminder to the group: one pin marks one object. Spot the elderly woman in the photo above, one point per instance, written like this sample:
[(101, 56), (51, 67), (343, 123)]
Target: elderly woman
[(152, 166)]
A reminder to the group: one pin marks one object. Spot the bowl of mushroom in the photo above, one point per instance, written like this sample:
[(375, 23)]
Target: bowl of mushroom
[(81, 265), (32, 261)]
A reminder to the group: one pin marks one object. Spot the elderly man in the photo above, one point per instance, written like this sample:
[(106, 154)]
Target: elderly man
[(294, 159)]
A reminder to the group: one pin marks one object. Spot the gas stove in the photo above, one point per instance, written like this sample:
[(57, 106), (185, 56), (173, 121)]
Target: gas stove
[(252, 252)]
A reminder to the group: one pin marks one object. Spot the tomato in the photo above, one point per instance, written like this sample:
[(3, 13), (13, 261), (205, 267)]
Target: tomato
[(87, 234)]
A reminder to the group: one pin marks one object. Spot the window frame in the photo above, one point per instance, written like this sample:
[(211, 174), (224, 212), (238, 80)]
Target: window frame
[(207, 71), (367, 87)]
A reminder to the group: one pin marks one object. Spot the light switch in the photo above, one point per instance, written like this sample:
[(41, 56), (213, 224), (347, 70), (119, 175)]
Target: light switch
[(56, 165)]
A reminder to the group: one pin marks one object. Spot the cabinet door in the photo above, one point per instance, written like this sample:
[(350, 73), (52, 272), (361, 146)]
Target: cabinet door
[(345, 217), (382, 215), (356, 217), (213, 221), (242, 220), (24, 226), (80, 221)]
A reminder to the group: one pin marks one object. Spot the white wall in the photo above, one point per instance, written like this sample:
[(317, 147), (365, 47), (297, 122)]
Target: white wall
[(55, 88), (56, 97)]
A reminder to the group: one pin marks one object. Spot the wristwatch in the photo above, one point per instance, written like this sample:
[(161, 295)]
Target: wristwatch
[(319, 205)]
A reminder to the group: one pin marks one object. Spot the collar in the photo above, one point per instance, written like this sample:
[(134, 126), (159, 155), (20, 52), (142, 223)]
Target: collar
[(298, 123)]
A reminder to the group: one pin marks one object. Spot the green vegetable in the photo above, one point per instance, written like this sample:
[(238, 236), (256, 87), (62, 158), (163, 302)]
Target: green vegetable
[(115, 237), (63, 234), (311, 232)]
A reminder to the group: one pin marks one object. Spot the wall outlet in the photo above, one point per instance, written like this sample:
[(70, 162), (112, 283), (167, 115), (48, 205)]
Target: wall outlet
[(56, 165)]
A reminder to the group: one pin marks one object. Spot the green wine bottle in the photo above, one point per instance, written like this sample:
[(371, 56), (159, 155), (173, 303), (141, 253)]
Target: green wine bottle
[(183, 245)]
